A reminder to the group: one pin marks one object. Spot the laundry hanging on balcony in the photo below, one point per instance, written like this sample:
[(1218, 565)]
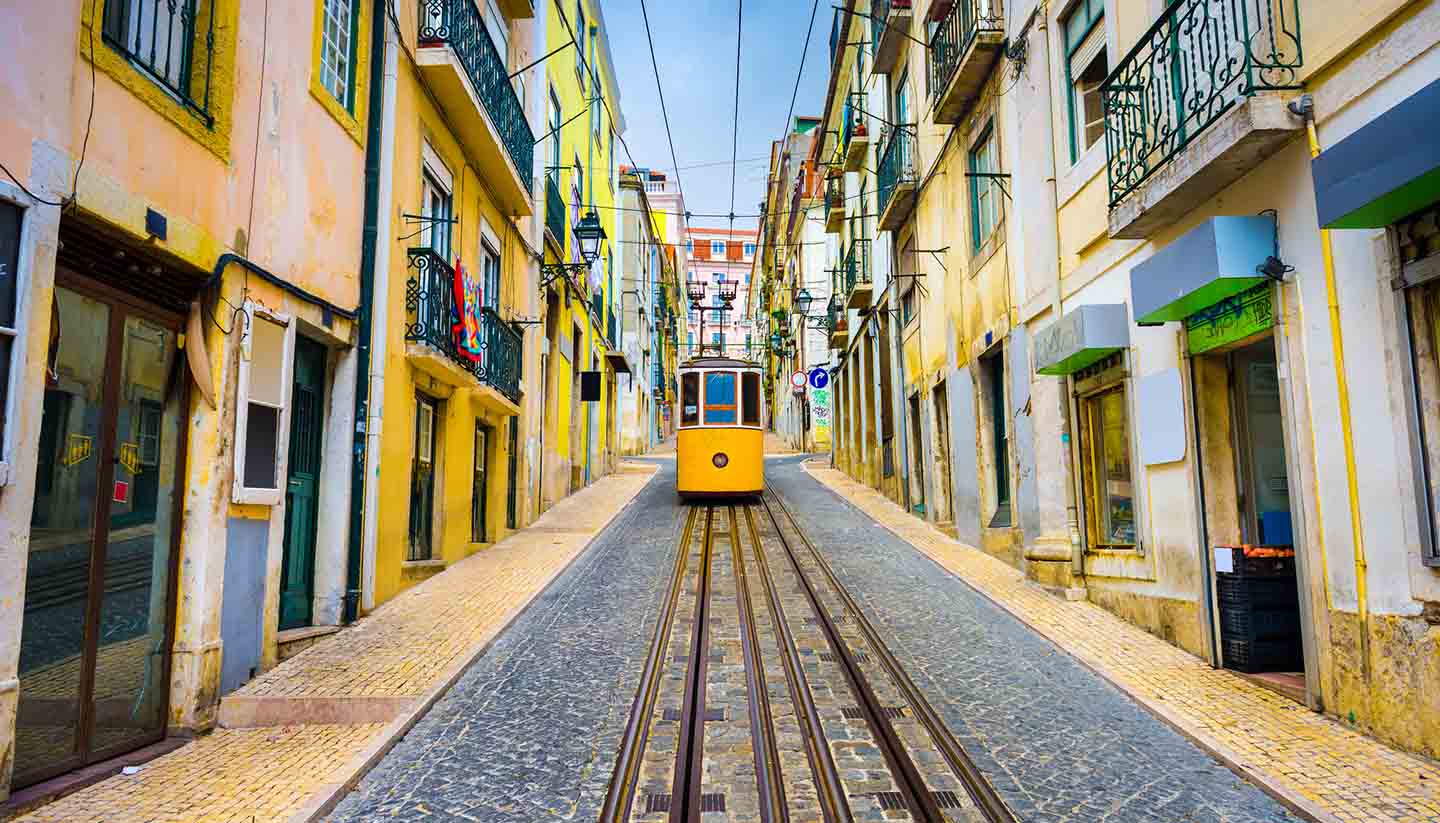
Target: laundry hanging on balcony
[(467, 315)]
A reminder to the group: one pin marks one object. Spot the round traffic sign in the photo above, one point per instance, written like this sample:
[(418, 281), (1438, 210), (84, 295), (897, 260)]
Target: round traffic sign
[(819, 378), (797, 380)]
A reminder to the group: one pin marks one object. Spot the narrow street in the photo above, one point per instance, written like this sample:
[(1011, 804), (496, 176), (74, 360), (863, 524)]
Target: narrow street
[(786, 659)]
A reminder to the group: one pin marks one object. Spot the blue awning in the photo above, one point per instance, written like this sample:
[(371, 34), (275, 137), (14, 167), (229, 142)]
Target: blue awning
[(1386, 170), (1215, 260)]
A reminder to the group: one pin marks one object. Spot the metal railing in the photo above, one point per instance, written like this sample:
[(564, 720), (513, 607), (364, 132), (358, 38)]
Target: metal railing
[(953, 36), (835, 32), (856, 268), (897, 163), (173, 42), (854, 123), (457, 23), (430, 317), (1197, 61), (555, 208), (879, 13), (834, 193)]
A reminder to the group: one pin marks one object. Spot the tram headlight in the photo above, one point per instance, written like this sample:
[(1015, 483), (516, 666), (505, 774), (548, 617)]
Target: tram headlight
[(721, 460)]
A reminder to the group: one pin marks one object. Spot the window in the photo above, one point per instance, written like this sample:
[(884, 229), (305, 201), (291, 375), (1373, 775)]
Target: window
[(12, 219), (993, 369), (717, 247), (1105, 466), (984, 191), (690, 399), (159, 38), (750, 395), (907, 302), (435, 202), (900, 100), (689, 246), (422, 481), (489, 276), (1085, 69), (498, 29), (610, 152), (1418, 250), (554, 136), (720, 406), (337, 50), (749, 249), (267, 349), (580, 29)]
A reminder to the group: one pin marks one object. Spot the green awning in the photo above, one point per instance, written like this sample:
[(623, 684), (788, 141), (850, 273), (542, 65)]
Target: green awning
[(1084, 336), (1215, 260)]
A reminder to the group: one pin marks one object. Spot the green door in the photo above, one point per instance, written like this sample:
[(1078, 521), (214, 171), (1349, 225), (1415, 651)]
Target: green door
[(297, 573)]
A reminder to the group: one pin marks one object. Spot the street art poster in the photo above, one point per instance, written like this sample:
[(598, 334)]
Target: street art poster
[(820, 414)]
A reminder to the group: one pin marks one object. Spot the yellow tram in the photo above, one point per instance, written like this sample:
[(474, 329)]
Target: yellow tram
[(720, 448)]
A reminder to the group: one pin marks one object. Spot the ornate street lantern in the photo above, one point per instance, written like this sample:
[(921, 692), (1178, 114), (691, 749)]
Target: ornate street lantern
[(802, 301), (591, 236)]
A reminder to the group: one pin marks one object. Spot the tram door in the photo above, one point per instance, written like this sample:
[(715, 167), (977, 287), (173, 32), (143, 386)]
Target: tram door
[(95, 638)]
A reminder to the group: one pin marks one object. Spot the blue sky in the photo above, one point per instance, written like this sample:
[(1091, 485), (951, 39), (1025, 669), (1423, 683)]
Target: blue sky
[(695, 49)]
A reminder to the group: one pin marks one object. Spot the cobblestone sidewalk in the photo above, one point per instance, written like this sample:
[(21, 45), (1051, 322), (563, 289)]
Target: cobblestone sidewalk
[(1313, 763), (404, 652)]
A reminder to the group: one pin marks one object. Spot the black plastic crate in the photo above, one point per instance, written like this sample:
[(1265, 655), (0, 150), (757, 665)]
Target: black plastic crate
[(1259, 624), (1260, 592), (1278, 655)]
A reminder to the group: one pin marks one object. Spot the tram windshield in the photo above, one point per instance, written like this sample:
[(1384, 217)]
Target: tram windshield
[(750, 383), (720, 403)]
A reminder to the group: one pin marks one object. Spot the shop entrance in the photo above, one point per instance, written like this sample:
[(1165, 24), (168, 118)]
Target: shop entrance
[(99, 588), (1247, 492)]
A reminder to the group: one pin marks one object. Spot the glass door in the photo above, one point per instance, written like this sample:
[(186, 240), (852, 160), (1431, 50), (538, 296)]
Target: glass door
[(98, 594)]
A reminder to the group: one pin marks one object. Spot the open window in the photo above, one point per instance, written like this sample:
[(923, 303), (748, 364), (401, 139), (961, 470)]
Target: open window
[(262, 418), (750, 398), (690, 399)]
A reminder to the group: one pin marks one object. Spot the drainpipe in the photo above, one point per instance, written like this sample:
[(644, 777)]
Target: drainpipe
[(379, 155), (1305, 108)]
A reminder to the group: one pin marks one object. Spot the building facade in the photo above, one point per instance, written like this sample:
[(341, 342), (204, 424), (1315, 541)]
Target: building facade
[(1143, 313), (714, 257), (277, 333)]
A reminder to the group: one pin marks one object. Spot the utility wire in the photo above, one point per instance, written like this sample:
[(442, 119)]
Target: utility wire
[(665, 114), (735, 125)]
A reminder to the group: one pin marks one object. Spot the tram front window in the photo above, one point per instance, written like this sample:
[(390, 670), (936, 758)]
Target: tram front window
[(690, 400), (720, 405), (750, 382)]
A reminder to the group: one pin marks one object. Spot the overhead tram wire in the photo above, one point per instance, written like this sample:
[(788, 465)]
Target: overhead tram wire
[(785, 127), (664, 112)]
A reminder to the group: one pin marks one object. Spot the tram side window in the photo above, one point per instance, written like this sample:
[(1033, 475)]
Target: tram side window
[(750, 398), (720, 407), (689, 399)]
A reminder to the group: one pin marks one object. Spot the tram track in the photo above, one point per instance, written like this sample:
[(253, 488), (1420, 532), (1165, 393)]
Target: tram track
[(810, 716)]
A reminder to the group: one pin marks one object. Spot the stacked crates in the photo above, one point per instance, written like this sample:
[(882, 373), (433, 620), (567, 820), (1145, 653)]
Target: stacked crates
[(1260, 615)]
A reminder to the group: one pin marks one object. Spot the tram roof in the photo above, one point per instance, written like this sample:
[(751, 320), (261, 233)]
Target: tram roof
[(717, 363)]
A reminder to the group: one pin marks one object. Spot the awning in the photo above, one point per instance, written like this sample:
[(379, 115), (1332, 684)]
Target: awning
[(1386, 170), (1083, 336), (1207, 264), (617, 361)]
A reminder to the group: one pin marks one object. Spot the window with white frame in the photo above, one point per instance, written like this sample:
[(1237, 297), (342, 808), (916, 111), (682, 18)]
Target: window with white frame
[(436, 204), (337, 50), (12, 220), (984, 189), (1085, 68), (717, 247), (580, 29), (749, 249), (262, 419)]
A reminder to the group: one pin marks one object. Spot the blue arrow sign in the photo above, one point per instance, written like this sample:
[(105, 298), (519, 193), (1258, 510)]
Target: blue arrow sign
[(819, 378)]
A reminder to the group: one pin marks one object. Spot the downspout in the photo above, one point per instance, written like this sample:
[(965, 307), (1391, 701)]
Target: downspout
[(365, 455), (1305, 107)]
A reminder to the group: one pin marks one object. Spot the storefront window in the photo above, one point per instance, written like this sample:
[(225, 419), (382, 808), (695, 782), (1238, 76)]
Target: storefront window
[(1104, 438)]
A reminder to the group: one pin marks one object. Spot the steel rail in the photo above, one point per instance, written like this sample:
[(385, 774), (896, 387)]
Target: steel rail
[(978, 787), (767, 754), (621, 792), (690, 752), (822, 763), (916, 794)]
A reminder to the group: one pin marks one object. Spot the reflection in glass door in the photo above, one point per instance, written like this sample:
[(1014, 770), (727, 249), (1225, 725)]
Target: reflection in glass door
[(95, 639)]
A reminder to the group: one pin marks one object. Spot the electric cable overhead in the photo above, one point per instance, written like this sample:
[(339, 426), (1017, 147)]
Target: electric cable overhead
[(664, 113), (735, 125)]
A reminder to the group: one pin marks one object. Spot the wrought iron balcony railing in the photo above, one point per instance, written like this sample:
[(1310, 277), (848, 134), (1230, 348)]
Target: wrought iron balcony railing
[(853, 124), (430, 317), (457, 23), (879, 11), (856, 268), (834, 193), (897, 163), (952, 38), (1201, 58), (173, 42), (555, 209)]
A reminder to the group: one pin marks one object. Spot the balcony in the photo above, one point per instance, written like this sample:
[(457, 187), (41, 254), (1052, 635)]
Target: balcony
[(1196, 104), (555, 228), (837, 323), (432, 344), (466, 72), (964, 46), (834, 205), (897, 178), (855, 132), (855, 275), (888, 39)]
